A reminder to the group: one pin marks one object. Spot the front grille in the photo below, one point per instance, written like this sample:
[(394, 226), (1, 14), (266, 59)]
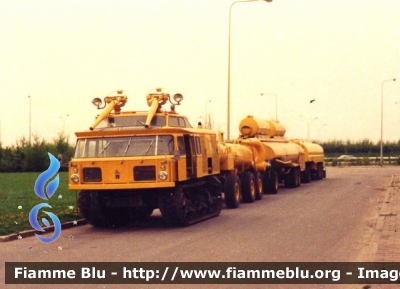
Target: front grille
[(92, 175), (144, 173)]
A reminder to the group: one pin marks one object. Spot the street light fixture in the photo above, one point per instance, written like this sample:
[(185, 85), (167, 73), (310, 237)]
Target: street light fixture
[(229, 64), (276, 104), (387, 80)]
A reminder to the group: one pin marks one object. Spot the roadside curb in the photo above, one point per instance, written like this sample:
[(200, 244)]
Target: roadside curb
[(28, 233), (386, 240), (374, 241)]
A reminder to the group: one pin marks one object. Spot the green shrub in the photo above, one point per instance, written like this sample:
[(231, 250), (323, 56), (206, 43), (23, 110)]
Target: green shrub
[(33, 157)]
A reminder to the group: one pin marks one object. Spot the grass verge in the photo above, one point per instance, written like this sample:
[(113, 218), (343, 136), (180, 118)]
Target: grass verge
[(17, 198)]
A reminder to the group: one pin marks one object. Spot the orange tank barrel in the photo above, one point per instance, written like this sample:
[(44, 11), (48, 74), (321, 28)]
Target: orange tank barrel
[(258, 151), (277, 129), (252, 127), (312, 152), (283, 150), (235, 157)]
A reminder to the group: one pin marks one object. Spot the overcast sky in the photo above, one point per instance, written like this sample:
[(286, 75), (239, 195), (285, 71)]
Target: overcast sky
[(64, 53)]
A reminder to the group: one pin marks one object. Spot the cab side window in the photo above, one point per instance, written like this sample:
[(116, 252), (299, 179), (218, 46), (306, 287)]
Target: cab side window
[(198, 147), (181, 146)]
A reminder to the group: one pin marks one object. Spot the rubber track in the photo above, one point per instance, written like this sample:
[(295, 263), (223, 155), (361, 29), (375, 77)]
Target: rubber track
[(172, 208)]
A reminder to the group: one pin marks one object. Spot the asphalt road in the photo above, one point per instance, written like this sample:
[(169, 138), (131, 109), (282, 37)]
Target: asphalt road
[(330, 220)]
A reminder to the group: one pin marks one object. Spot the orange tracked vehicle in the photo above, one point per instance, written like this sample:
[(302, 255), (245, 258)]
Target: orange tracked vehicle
[(130, 163)]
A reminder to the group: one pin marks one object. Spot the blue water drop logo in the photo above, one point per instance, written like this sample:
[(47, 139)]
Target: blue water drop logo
[(45, 176), (40, 192), (35, 224)]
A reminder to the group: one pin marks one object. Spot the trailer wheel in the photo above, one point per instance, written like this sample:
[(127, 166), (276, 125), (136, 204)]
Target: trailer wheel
[(289, 179), (307, 174), (232, 191), (297, 173), (259, 185), (266, 182), (320, 171), (292, 179), (273, 183), (248, 187)]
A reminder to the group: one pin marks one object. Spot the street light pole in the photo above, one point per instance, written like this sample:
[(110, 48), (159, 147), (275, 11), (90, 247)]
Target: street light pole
[(228, 123), (387, 80), (30, 118), (276, 104)]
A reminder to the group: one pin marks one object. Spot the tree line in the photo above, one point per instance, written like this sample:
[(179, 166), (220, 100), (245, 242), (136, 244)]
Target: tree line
[(27, 156), (32, 157), (365, 147)]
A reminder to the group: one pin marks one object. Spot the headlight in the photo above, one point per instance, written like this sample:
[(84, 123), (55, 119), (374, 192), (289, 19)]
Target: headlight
[(74, 178), (163, 175)]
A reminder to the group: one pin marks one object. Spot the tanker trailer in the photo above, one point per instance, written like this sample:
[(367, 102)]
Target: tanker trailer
[(241, 172), (286, 157), (315, 161)]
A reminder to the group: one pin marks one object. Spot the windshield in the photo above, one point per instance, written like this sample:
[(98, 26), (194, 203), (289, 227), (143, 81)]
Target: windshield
[(131, 121), (149, 145)]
